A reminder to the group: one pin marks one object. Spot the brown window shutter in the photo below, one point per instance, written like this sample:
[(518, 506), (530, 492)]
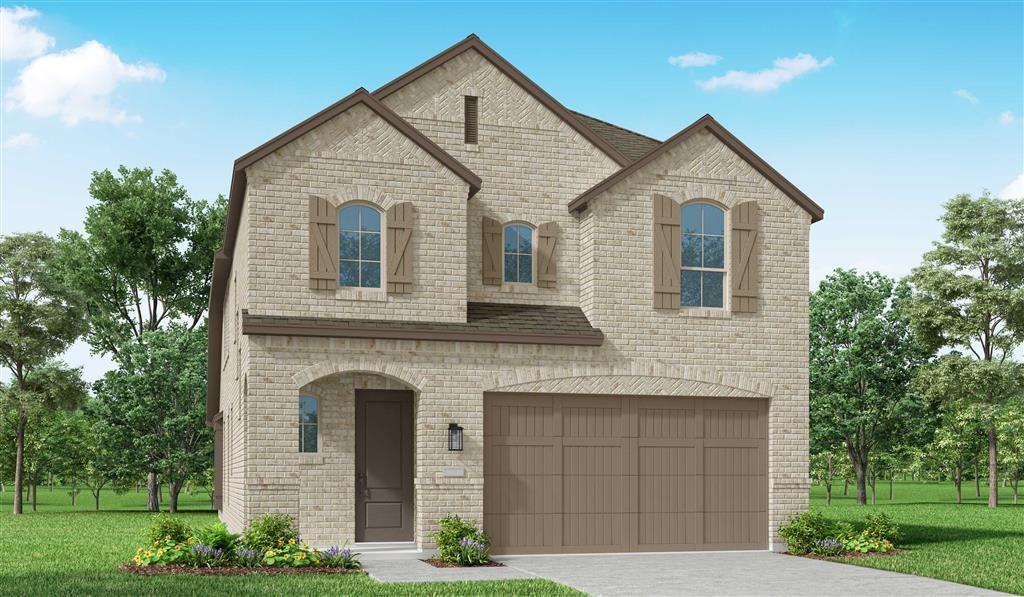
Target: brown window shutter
[(323, 244), (667, 252), (471, 118), (746, 275), (547, 240), (490, 246), (399, 254)]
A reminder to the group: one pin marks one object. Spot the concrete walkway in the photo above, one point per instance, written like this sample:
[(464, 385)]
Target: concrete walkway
[(725, 573)]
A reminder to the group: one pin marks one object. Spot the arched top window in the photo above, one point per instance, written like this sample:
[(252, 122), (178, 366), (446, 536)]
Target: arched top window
[(518, 253), (309, 423), (359, 246), (702, 279)]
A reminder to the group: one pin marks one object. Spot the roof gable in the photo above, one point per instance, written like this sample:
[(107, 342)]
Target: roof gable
[(505, 67), (711, 125)]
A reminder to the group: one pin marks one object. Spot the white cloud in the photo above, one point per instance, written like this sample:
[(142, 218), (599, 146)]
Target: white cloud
[(1014, 190), (693, 59), (78, 85), (769, 79), (967, 95), (1007, 118), (19, 41), (21, 140)]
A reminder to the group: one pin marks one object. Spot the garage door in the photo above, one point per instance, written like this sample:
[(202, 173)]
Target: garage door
[(584, 474)]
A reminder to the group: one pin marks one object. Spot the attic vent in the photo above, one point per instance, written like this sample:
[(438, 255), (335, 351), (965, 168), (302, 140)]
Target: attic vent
[(471, 118)]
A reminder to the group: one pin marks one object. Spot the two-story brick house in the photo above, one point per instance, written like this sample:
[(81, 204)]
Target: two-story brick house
[(453, 294)]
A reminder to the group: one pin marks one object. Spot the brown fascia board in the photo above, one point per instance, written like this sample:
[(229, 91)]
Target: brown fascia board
[(475, 43), (288, 327), (730, 140), (236, 195)]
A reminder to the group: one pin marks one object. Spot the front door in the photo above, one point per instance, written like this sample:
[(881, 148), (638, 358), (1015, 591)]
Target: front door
[(384, 490)]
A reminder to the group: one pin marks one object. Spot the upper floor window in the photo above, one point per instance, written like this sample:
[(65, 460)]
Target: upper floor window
[(702, 279), (309, 422), (359, 246), (518, 253)]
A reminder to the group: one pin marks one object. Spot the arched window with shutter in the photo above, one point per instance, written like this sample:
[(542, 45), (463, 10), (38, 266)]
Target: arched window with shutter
[(359, 241), (702, 271)]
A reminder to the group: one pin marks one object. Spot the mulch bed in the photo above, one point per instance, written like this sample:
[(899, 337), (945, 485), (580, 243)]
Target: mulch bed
[(436, 563), (853, 555), (229, 570)]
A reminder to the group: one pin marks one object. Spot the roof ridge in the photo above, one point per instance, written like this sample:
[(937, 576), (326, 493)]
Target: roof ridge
[(613, 125)]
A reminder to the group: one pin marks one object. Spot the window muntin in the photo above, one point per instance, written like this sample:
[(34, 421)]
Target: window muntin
[(702, 279), (359, 246), (518, 253), (309, 422)]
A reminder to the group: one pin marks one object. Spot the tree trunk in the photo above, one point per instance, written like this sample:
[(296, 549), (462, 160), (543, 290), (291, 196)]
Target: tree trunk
[(1015, 483), (956, 483), (890, 487), (846, 486), (19, 462), (173, 489), (859, 460), (74, 492), (872, 481), (96, 496), (153, 491), (35, 493), (977, 480), (993, 467), (51, 482)]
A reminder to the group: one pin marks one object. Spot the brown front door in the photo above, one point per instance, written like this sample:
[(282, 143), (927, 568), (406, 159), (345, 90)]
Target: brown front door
[(384, 490)]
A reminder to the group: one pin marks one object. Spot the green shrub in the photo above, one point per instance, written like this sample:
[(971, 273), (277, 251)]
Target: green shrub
[(291, 555), (270, 531), (803, 532), (217, 537), (461, 542), (880, 526), (165, 526)]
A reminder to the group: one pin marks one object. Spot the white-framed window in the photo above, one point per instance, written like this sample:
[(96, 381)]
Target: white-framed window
[(309, 423), (359, 230), (702, 279), (518, 253)]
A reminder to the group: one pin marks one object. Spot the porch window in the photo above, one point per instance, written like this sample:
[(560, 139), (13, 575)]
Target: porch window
[(309, 416)]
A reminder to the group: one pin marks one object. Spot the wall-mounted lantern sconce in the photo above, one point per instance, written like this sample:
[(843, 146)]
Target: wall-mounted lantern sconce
[(454, 437)]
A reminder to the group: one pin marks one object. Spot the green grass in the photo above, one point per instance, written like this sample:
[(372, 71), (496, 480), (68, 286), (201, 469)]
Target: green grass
[(61, 550), (967, 543)]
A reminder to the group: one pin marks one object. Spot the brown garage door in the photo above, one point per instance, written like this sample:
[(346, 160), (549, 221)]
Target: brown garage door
[(611, 473)]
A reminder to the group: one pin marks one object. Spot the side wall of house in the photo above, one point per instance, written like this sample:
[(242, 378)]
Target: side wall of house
[(233, 382), (532, 164)]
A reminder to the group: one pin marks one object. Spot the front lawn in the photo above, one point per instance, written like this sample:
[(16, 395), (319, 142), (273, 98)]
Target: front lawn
[(967, 543), (60, 551)]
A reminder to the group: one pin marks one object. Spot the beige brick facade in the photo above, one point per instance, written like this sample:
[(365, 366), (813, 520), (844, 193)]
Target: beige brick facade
[(532, 165)]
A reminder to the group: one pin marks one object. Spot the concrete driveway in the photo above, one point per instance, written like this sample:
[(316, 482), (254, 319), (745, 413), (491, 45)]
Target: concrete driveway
[(726, 573)]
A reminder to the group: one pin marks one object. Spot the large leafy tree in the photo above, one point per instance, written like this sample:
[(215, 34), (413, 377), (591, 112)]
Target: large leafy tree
[(169, 433), (959, 439), (39, 319), (143, 263), (969, 295), (862, 360)]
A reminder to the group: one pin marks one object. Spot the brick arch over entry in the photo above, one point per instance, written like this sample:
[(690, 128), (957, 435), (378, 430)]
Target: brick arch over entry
[(639, 379), (409, 377)]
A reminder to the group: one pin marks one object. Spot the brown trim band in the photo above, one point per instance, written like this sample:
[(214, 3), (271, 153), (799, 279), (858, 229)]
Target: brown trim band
[(730, 140), (354, 330), (475, 43)]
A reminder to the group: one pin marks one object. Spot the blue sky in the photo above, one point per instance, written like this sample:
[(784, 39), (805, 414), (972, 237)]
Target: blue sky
[(878, 111)]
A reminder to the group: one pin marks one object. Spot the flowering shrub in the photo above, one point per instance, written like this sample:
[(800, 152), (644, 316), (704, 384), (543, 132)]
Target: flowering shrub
[(217, 536), (207, 556), (248, 558), (336, 557), (803, 532), (161, 553), (292, 554), (461, 542), (882, 527), (866, 543), (167, 527), (828, 547)]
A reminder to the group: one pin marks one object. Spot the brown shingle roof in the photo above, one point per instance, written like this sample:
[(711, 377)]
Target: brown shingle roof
[(630, 144), (485, 322)]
